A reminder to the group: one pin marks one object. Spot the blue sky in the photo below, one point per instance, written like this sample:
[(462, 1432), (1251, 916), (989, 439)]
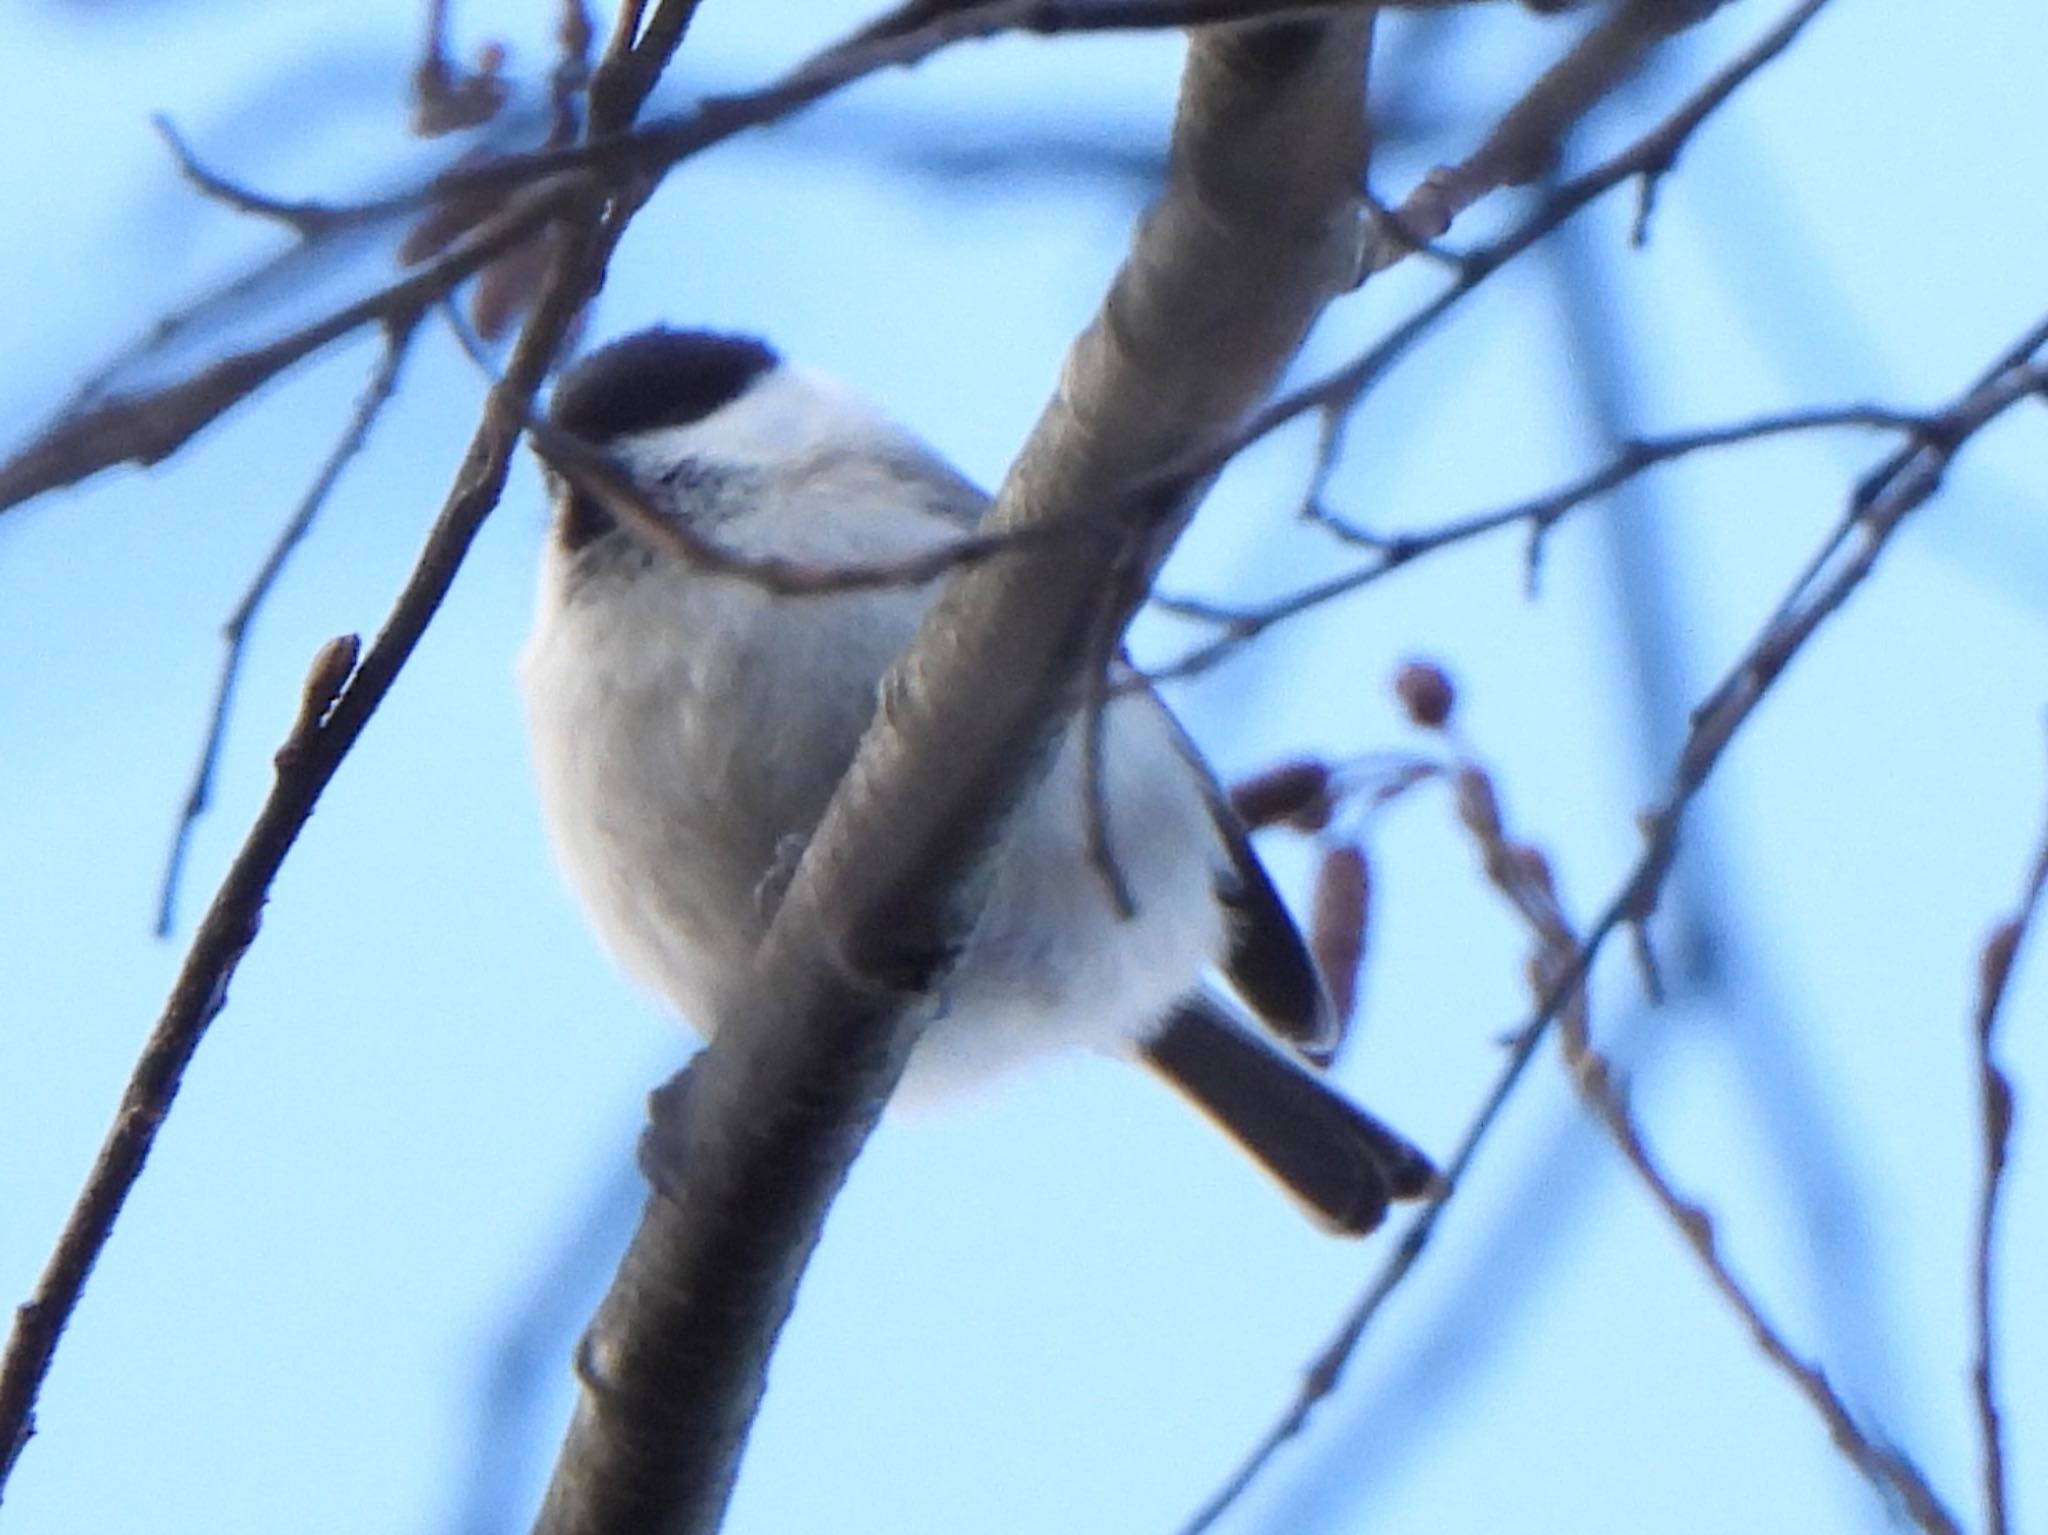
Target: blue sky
[(1065, 1306)]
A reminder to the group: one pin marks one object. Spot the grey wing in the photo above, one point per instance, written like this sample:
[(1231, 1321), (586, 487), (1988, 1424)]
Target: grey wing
[(1268, 964)]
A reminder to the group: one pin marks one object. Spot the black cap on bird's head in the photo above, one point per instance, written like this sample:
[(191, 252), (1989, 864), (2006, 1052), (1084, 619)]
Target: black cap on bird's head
[(657, 378), (643, 383)]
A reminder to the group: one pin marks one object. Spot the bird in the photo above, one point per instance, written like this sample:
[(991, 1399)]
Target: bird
[(688, 725)]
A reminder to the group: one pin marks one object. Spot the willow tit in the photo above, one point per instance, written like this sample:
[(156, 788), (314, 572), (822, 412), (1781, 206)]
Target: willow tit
[(688, 729)]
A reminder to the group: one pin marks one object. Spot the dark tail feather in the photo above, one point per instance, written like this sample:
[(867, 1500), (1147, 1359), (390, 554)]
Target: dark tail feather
[(1338, 1160)]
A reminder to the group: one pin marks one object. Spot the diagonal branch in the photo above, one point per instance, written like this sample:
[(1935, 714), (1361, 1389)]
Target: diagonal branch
[(1521, 874), (147, 428), (1644, 161), (1257, 230), (1814, 597), (319, 743)]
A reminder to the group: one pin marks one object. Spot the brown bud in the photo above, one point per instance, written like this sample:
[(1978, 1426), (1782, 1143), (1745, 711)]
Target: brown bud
[(1425, 691), (333, 664), (1531, 869), (1296, 793), (1478, 807), (445, 100), (1337, 924)]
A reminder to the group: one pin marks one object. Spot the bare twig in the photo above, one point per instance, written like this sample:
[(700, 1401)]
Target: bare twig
[(1994, 975), (1521, 874), (1651, 156), (197, 997), (146, 428), (1538, 514), (624, 157), (1526, 141), (1713, 726), (570, 77), (1886, 1468), (103, 431), (1337, 394), (313, 754), (309, 221), (1095, 830), (1324, 1372), (634, 62), (235, 632), (625, 27), (595, 475)]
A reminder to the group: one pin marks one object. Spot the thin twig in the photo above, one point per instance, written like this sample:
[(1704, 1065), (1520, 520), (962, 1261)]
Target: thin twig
[(1886, 1468), (148, 427), (1994, 975), (1522, 875), (304, 770), (593, 474), (1650, 156), (196, 998), (143, 428), (1096, 837), (308, 220), (234, 633), (1539, 514), (1527, 140), (570, 77), (1336, 395), (661, 143), (433, 72), (625, 27), (1713, 727)]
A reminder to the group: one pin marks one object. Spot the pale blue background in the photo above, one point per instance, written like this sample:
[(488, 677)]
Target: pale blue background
[(397, 1172)]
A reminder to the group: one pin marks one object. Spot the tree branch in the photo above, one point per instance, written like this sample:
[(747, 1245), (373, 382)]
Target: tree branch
[(147, 428), (1521, 874), (1256, 231), (312, 754), (235, 632), (1994, 975), (1913, 476), (1527, 140), (1538, 514)]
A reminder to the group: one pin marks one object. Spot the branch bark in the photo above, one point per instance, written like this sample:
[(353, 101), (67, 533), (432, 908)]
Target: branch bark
[(1258, 229)]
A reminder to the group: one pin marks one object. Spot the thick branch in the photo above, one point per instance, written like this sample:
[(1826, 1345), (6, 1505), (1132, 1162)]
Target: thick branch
[(1256, 231)]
